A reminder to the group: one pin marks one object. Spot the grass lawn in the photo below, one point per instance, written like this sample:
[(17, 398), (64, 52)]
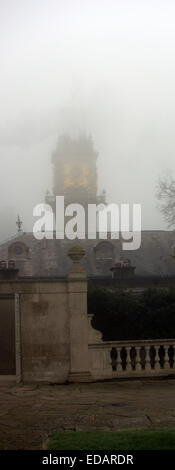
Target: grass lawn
[(148, 439)]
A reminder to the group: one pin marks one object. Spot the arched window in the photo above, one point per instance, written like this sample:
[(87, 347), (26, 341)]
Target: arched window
[(18, 250)]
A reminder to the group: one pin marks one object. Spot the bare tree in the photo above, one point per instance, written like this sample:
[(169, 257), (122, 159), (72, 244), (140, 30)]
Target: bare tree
[(166, 195)]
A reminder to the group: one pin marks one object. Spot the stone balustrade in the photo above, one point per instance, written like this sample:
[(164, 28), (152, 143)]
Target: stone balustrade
[(132, 358)]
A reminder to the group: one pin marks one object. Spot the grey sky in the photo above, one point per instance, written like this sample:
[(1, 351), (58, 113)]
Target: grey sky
[(105, 67)]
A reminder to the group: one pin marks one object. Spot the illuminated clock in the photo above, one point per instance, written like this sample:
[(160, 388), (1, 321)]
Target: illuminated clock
[(75, 174)]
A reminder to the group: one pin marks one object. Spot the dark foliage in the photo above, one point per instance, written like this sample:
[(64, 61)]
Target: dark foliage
[(124, 316)]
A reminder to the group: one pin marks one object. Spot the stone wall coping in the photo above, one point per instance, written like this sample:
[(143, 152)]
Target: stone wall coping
[(34, 280), (130, 343), (40, 281)]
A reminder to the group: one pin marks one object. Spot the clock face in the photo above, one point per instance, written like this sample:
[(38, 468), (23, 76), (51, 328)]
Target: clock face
[(75, 174)]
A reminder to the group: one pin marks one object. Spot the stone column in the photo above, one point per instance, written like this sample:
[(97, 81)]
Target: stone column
[(78, 319)]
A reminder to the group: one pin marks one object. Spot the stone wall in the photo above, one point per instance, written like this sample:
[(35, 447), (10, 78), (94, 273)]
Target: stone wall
[(45, 332), (44, 329), (51, 326)]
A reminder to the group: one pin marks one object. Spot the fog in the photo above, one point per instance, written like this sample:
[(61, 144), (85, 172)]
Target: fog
[(101, 67)]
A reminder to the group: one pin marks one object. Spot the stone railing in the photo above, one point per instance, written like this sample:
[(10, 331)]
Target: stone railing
[(132, 358)]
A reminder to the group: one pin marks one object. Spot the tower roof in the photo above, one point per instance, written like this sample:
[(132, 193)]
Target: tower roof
[(69, 147)]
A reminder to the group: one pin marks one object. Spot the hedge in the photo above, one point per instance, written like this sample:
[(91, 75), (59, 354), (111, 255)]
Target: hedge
[(125, 316)]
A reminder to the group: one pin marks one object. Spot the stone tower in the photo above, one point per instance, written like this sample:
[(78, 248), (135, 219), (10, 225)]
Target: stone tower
[(75, 172)]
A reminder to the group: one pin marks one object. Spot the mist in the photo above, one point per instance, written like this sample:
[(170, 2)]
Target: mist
[(102, 67)]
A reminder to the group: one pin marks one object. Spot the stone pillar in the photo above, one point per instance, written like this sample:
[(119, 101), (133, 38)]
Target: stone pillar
[(78, 319)]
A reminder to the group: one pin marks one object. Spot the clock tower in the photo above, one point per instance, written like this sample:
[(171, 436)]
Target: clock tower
[(75, 172)]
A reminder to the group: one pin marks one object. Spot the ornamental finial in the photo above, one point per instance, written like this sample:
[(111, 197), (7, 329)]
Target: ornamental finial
[(19, 224)]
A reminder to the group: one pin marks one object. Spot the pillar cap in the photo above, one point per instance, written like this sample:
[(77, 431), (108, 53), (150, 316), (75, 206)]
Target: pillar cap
[(76, 253)]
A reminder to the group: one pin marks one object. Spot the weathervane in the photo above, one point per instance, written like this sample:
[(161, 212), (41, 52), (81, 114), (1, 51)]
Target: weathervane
[(19, 223)]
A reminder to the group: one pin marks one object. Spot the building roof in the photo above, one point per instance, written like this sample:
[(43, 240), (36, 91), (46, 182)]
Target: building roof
[(49, 257)]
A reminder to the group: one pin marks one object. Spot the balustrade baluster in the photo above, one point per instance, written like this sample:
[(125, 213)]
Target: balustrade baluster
[(171, 355), (107, 360), (173, 345), (166, 357), (138, 359), (128, 359), (147, 358), (157, 359), (119, 361)]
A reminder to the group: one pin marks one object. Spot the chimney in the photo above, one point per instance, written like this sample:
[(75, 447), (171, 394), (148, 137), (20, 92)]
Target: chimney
[(8, 270)]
